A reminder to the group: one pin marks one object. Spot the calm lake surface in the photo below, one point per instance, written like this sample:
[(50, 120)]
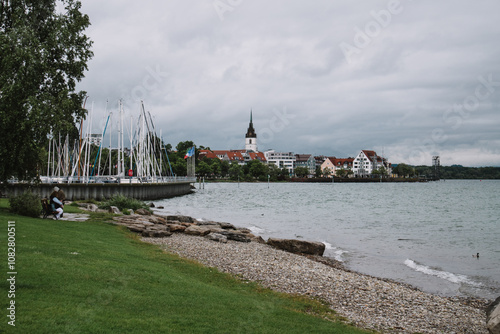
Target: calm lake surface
[(423, 234)]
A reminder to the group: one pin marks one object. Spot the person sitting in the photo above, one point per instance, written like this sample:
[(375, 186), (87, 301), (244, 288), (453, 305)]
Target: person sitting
[(56, 202)]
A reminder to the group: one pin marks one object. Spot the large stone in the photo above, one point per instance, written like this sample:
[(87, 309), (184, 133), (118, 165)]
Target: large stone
[(216, 237), (176, 228), (157, 219), (182, 219), (298, 246), (156, 231), (143, 212), (493, 317), (234, 235), (206, 222), (198, 230), (227, 226), (136, 228), (114, 209)]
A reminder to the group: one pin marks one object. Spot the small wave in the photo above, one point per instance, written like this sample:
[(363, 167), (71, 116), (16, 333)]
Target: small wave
[(256, 230), (337, 252), (327, 245), (338, 255), (454, 278)]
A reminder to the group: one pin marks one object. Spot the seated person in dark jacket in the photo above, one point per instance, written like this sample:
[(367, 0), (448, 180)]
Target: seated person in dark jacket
[(56, 199)]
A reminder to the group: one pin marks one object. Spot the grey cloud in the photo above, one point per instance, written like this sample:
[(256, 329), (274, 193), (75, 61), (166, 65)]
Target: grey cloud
[(393, 96)]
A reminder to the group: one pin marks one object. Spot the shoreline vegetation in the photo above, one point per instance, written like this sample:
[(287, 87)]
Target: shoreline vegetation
[(108, 279)]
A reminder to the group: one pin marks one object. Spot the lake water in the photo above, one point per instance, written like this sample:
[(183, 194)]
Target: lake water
[(423, 234)]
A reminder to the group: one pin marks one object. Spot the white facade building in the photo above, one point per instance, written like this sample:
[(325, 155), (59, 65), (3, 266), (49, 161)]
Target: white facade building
[(281, 160), (368, 161)]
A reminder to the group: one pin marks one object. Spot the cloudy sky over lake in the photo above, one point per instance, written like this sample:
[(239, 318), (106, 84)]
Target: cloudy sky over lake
[(408, 79)]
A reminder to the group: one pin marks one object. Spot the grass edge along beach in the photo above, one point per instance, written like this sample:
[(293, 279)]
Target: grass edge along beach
[(95, 277)]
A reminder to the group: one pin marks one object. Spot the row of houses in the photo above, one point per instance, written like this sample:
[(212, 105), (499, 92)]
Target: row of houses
[(362, 165)]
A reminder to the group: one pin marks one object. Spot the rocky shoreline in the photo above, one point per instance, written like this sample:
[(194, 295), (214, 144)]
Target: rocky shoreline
[(366, 301)]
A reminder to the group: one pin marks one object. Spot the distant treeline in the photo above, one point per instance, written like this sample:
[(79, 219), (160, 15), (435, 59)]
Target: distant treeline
[(460, 172)]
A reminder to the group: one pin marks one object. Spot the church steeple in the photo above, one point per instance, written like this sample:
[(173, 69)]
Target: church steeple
[(251, 131), (251, 137)]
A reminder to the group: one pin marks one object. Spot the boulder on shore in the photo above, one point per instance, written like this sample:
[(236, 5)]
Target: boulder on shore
[(493, 317), (217, 237), (298, 246), (235, 235), (114, 209), (198, 230), (143, 212), (180, 218)]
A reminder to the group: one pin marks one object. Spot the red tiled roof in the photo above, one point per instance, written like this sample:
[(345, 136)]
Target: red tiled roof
[(257, 155), (207, 154), (342, 162), (369, 154), (234, 156)]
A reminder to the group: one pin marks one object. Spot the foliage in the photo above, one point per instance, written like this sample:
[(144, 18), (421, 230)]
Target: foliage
[(403, 170), (381, 171), (327, 172), (460, 172), (122, 202), (235, 171), (257, 170), (26, 204), (318, 171), (301, 171), (44, 54)]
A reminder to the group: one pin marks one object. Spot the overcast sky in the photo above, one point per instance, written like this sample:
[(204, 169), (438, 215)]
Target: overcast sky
[(408, 79)]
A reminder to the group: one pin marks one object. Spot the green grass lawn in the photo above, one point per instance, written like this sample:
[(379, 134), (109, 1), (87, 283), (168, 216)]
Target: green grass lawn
[(95, 277)]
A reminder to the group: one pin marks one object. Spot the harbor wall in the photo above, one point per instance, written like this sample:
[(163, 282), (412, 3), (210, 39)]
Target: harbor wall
[(79, 191)]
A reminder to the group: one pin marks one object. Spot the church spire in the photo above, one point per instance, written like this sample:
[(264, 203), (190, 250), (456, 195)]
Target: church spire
[(251, 136), (251, 131)]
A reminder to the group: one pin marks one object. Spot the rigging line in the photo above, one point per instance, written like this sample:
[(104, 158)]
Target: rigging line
[(168, 159), (100, 145), (155, 137)]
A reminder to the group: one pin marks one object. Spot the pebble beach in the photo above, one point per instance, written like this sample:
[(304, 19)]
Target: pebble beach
[(366, 301)]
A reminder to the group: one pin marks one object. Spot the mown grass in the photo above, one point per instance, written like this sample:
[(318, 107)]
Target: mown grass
[(94, 277)]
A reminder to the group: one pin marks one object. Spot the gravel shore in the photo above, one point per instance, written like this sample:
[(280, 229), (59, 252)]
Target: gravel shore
[(366, 301)]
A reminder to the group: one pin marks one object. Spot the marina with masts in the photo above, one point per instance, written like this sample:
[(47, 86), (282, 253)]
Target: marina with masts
[(86, 161), (85, 169)]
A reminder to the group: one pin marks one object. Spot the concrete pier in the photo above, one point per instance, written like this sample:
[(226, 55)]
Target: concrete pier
[(79, 191)]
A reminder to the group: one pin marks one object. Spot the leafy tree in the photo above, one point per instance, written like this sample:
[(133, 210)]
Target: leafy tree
[(235, 171), (179, 167), (342, 172), (224, 168), (215, 166), (274, 172), (301, 171), (43, 55), (381, 171), (183, 146), (257, 169), (284, 174), (404, 170), (203, 169), (318, 173)]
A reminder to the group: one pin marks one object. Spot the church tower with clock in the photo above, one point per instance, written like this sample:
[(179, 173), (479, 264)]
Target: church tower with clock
[(251, 137)]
